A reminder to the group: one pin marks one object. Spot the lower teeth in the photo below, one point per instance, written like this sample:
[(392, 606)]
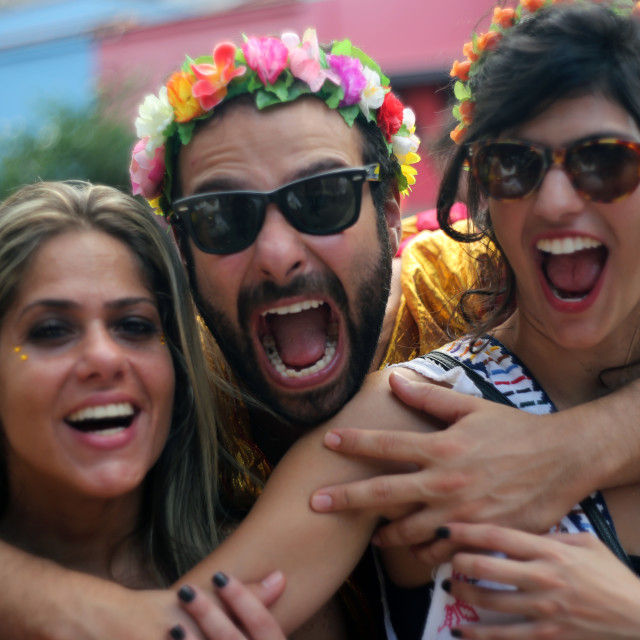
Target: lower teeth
[(274, 357)]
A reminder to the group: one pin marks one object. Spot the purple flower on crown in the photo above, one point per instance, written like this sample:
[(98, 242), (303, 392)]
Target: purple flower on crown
[(352, 79)]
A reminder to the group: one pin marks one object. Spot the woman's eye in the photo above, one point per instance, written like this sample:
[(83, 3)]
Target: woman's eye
[(49, 331), (136, 328)]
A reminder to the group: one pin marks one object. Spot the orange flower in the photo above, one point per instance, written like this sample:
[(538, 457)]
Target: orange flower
[(503, 17), (636, 8), (489, 41), (457, 135), (211, 87), (461, 70), (468, 51), (532, 5), (179, 93), (466, 111)]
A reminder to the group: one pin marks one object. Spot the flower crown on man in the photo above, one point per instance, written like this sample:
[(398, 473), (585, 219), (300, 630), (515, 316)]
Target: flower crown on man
[(482, 44), (274, 71)]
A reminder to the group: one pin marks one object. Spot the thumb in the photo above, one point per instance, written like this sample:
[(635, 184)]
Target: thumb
[(440, 402)]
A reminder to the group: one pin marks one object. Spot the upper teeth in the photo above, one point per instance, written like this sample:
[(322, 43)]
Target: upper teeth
[(116, 410), (296, 307), (560, 246)]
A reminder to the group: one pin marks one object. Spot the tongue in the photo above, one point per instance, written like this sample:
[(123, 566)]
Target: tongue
[(574, 273), (300, 337)]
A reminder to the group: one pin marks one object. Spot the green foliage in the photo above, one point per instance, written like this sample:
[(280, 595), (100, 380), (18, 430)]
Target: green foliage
[(68, 143)]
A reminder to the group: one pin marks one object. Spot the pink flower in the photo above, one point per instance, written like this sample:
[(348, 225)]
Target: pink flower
[(146, 171), (304, 60), (211, 86), (266, 56), (352, 79)]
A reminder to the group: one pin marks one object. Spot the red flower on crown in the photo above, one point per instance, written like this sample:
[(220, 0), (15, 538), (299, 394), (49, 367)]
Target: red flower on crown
[(390, 115)]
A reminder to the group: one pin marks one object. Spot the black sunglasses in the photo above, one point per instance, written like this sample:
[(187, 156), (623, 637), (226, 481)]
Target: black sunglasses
[(230, 221), (600, 169)]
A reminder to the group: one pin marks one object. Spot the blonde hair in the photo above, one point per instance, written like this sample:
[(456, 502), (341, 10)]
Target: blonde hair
[(178, 519)]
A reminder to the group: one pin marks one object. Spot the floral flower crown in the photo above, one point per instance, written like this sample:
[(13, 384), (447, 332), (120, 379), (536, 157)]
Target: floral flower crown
[(481, 44), (273, 70)]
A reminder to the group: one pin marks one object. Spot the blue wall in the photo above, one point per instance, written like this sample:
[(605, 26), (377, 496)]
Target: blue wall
[(47, 53)]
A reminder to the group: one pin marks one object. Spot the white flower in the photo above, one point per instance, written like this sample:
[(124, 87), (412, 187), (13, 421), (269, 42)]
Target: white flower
[(402, 145), (373, 94), (409, 119), (290, 40), (154, 116)]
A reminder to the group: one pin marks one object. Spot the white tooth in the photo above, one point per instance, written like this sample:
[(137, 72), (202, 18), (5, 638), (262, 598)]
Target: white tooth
[(544, 245), (123, 410), (296, 307), (109, 432), (568, 245)]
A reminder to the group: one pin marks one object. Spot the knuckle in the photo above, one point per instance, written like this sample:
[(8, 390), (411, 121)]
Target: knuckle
[(546, 608), (386, 442), (381, 489), (548, 631)]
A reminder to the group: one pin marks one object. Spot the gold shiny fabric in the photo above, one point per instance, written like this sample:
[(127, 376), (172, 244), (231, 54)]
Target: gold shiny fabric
[(435, 271)]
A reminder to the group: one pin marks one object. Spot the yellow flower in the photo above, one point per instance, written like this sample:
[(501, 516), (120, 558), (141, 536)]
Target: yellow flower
[(181, 98)]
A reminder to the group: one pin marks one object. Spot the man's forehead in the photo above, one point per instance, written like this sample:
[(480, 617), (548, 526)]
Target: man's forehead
[(246, 148)]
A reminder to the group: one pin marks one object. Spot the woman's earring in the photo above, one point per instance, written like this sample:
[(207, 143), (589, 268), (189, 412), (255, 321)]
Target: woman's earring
[(23, 356), (162, 339)]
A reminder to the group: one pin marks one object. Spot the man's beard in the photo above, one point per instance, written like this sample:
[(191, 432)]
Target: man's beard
[(363, 317)]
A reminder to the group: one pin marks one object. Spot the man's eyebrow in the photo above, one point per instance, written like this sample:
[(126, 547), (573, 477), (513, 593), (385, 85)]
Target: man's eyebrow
[(227, 183), (322, 166), (222, 183)]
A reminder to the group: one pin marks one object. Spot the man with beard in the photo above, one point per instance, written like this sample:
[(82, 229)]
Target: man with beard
[(285, 206)]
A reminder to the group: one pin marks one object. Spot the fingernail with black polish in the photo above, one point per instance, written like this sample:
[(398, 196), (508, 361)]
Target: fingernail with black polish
[(220, 580), (177, 633), (456, 633), (446, 585), (186, 594), (443, 533)]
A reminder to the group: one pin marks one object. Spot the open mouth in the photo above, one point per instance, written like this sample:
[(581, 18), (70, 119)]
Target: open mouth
[(105, 419), (572, 266), (300, 339)]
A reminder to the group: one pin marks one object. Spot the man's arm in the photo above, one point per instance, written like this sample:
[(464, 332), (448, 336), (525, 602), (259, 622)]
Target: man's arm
[(492, 464)]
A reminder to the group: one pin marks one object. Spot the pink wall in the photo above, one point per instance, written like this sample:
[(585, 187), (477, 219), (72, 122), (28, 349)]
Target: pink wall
[(405, 37)]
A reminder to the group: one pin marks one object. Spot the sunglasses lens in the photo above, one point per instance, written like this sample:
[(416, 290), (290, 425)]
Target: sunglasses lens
[(604, 171), (507, 170), (226, 223), (323, 205)]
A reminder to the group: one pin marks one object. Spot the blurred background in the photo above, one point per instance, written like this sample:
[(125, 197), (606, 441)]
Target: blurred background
[(72, 72)]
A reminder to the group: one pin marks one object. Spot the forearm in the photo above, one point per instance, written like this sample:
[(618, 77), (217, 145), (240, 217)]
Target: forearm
[(602, 441), (315, 552), (40, 600)]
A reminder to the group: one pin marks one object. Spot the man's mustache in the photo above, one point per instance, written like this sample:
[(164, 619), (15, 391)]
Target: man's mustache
[(268, 293)]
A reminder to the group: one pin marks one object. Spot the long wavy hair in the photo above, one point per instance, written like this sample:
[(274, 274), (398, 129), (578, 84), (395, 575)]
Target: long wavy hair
[(177, 525), (560, 51)]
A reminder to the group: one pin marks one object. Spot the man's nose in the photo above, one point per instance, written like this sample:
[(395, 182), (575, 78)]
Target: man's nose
[(280, 251)]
